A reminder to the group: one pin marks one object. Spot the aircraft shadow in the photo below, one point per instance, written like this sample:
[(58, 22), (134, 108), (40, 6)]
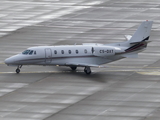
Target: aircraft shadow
[(94, 76)]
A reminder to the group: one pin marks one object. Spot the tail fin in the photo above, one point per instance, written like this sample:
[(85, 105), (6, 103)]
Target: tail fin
[(142, 33)]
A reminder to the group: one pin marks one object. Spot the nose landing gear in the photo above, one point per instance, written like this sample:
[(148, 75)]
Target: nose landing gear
[(18, 69)]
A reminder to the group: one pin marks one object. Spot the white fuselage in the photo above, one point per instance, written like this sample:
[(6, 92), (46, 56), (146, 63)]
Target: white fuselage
[(67, 55)]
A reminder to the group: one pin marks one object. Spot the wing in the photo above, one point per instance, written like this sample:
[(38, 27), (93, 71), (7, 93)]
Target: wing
[(82, 64)]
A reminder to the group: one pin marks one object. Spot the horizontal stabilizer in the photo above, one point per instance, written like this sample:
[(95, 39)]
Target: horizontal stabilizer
[(128, 37)]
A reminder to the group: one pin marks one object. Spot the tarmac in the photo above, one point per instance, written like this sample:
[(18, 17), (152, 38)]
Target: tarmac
[(128, 89)]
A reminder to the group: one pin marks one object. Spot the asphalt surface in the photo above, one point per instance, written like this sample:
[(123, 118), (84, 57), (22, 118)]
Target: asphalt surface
[(127, 89)]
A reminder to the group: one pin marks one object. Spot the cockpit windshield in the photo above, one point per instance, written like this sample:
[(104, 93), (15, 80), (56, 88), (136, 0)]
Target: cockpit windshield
[(28, 52)]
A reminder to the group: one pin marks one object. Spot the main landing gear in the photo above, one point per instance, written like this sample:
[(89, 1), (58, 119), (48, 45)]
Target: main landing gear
[(87, 70), (73, 68), (18, 69)]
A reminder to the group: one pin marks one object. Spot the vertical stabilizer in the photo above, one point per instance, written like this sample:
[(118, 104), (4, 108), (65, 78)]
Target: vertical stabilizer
[(142, 33)]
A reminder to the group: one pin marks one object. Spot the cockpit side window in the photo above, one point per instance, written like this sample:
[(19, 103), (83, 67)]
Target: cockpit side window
[(31, 52), (26, 52)]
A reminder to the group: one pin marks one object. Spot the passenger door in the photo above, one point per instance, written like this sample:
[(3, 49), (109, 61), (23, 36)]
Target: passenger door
[(48, 55)]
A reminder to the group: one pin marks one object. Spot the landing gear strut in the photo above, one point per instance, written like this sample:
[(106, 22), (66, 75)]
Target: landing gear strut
[(87, 70), (18, 69)]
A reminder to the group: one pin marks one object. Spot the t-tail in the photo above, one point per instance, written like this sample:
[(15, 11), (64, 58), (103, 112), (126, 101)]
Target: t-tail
[(140, 38), (143, 33), (137, 42)]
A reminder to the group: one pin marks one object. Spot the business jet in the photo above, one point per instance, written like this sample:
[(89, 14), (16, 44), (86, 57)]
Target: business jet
[(86, 55)]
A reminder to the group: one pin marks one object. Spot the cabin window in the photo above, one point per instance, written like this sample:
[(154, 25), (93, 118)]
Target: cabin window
[(35, 52), (55, 51), (92, 50), (69, 51), (85, 51), (76, 51), (62, 51)]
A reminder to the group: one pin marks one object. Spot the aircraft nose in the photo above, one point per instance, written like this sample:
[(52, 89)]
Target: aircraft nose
[(9, 61)]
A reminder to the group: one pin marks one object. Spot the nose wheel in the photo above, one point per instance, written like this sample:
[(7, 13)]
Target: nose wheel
[(87, 70), (18, 69)]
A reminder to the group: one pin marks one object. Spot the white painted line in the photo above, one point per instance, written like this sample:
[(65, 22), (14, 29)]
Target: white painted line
[(21, 19)]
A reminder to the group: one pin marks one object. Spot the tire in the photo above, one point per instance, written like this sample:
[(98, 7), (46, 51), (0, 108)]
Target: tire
[(88, 72), (17, 70)]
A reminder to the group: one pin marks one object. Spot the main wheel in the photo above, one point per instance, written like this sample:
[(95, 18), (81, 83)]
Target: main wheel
[(87, 70), (17, 70), (73, 67)]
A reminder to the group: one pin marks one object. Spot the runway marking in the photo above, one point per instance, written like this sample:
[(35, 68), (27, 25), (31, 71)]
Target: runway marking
[(142, 67), (142, 72), (157, 73), (110, 66)]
